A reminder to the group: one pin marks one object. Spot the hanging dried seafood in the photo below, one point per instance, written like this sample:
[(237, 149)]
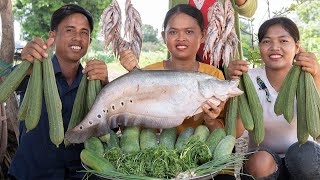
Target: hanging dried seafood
[(111, 25), (133, 28), (111, 28), (221, 41)]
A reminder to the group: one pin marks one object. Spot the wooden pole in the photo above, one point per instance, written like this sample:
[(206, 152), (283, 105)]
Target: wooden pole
[(10, 125)]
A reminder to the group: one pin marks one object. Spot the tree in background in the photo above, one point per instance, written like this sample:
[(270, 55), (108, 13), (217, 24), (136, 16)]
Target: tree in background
[(149, 33), (309, 15), (8, 114), (249, 42), (151, 42), (34, 15)]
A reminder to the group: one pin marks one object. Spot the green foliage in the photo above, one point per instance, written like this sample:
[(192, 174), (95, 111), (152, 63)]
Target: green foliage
[(152, 46), (97, 45), (149, 33), (175, 2), (150, 39), (309, 12), (147, 58), (35, 15), (249, 42), (114, 66), (107, 57), (246, 34), (309, 15), (160, 162), (252, 54)]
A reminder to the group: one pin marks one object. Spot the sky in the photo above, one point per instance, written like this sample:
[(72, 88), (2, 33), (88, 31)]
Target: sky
[(262, 11), (152, 12)]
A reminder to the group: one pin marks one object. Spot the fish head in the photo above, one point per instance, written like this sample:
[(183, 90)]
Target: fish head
[(94, 124), (220, 89), (232, 88)]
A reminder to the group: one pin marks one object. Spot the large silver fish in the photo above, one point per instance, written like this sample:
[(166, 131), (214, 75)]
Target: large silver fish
[(151, 98)]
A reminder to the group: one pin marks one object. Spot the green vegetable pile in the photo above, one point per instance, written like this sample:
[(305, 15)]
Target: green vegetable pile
[(194, 152), (159, 161)]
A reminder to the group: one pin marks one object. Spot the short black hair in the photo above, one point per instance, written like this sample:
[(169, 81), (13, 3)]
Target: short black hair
[(186, 9), (67, 10), (286, 23)]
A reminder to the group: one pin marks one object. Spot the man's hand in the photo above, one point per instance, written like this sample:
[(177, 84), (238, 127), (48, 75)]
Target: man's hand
[(237, 68), (36, 49), (97, 70), (128, 60)]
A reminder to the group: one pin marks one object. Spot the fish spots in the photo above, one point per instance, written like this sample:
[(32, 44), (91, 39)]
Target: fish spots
[(90, 122), (81, 127), (113, 107), (99, 116), (117, 106)]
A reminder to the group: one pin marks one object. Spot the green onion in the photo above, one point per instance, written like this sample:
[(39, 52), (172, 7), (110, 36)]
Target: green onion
[(160, 163)]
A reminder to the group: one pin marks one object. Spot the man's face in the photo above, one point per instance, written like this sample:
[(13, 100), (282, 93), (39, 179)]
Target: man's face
[(72, 38)]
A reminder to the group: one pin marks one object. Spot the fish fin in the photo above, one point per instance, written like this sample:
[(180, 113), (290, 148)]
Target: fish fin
[(203, 86), (198, 111), (197, 116), (146, 121), (136, 69)]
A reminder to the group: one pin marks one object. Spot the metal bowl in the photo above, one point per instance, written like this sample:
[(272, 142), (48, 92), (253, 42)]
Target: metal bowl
[(203, 177)]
